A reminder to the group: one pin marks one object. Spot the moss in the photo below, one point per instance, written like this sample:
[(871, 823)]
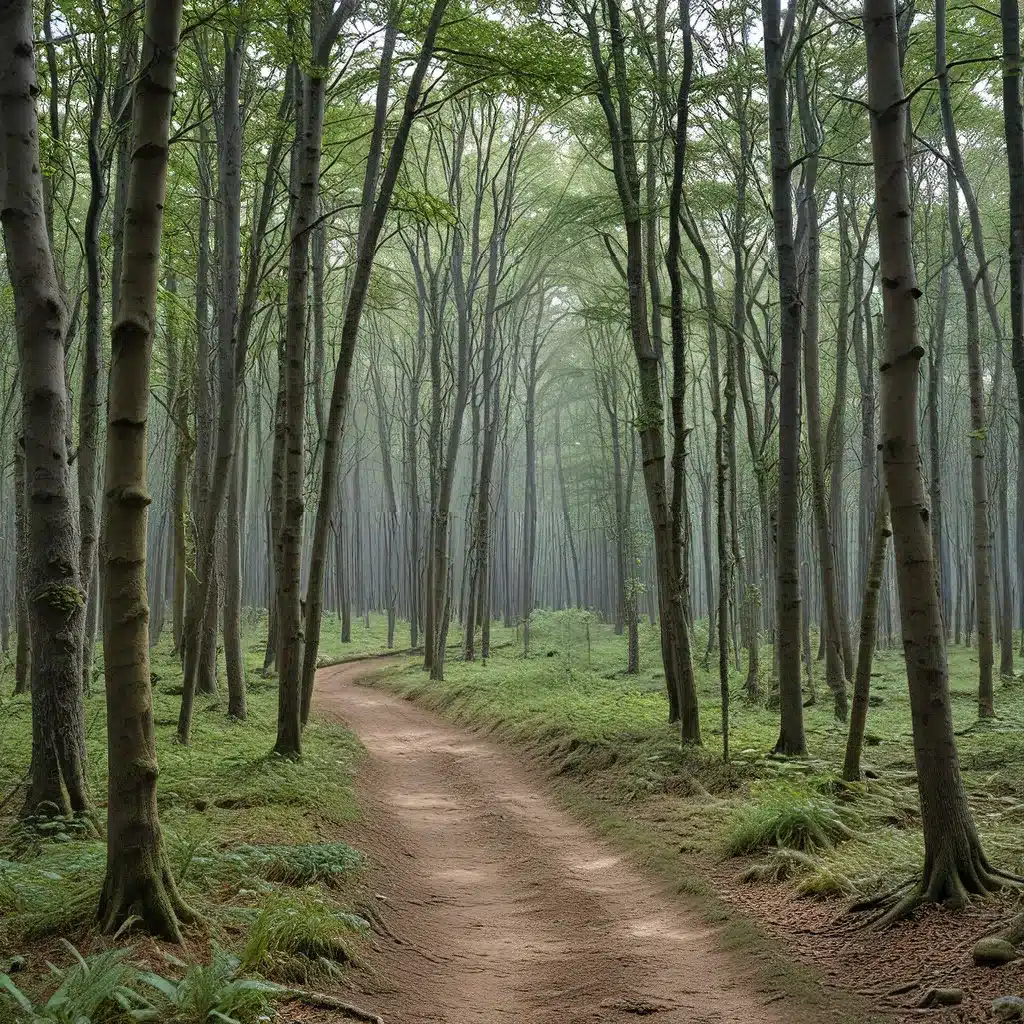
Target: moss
[(62, 596)]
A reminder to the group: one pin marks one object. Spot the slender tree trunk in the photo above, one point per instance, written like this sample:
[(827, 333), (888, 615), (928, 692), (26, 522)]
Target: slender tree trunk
[(1005, 578), (832, 634), (306, 168), (53, 590), (954, 863), (138, 883), (564, 498), (866, 649), (89, 399), (233, 656), (615, 102), (936, 351), (791, 735), (377, 192), (23, 653), (219, 472), (979, 479), (1013, 127)]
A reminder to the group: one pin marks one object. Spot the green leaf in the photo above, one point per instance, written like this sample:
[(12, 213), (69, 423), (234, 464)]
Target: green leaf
[(15, 993), (163, 985)]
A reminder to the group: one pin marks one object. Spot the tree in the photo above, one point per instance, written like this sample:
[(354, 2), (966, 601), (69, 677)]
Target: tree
[(52, 585), (955, 866), (787, 595), (616, 105), (378, 190), (139, 882)]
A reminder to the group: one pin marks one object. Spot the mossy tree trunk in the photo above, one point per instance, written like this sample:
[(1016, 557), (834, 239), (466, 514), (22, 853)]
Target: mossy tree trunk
[(138, 880), (53, 590)]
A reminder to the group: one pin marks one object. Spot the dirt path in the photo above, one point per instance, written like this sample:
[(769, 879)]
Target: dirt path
[(504, 907)]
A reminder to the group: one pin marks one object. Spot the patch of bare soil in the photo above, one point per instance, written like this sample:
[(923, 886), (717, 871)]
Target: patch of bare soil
[(501, 906)]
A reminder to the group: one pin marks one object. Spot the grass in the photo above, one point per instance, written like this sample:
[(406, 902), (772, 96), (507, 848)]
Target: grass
[(788, 818), (299, 936), (257, 842), (249, 835)]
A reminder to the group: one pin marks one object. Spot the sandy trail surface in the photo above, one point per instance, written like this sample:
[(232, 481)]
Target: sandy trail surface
[(503, 907)]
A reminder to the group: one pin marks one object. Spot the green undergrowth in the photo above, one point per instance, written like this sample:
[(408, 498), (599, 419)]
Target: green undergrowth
[(256, 842), (107, 987), (572, 704)]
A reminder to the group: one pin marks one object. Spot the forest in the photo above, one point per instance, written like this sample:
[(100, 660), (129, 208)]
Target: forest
[(511, 510)]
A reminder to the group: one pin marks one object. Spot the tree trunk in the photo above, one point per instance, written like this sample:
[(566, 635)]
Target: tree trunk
[(866, 649), (954, 863), (23, 653), (1005, 578), (979, 444), (936, 350), (89, 399), (1013, 129), (832, 634), (787, 595), (305, 188), (138, 881), (233, 656), (529, 554), (219, 472), (53, 589), (614, 97), (564, 498)]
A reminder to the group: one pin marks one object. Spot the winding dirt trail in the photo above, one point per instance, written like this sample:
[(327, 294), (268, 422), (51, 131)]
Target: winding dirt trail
[(506, 910)]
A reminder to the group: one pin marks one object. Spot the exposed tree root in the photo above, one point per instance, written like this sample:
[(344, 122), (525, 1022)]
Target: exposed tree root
[(327, 1002), (948, 884), (146, 893)]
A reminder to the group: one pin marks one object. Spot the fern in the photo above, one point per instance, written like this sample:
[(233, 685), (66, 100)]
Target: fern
[(94, 990), (213, 992)]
